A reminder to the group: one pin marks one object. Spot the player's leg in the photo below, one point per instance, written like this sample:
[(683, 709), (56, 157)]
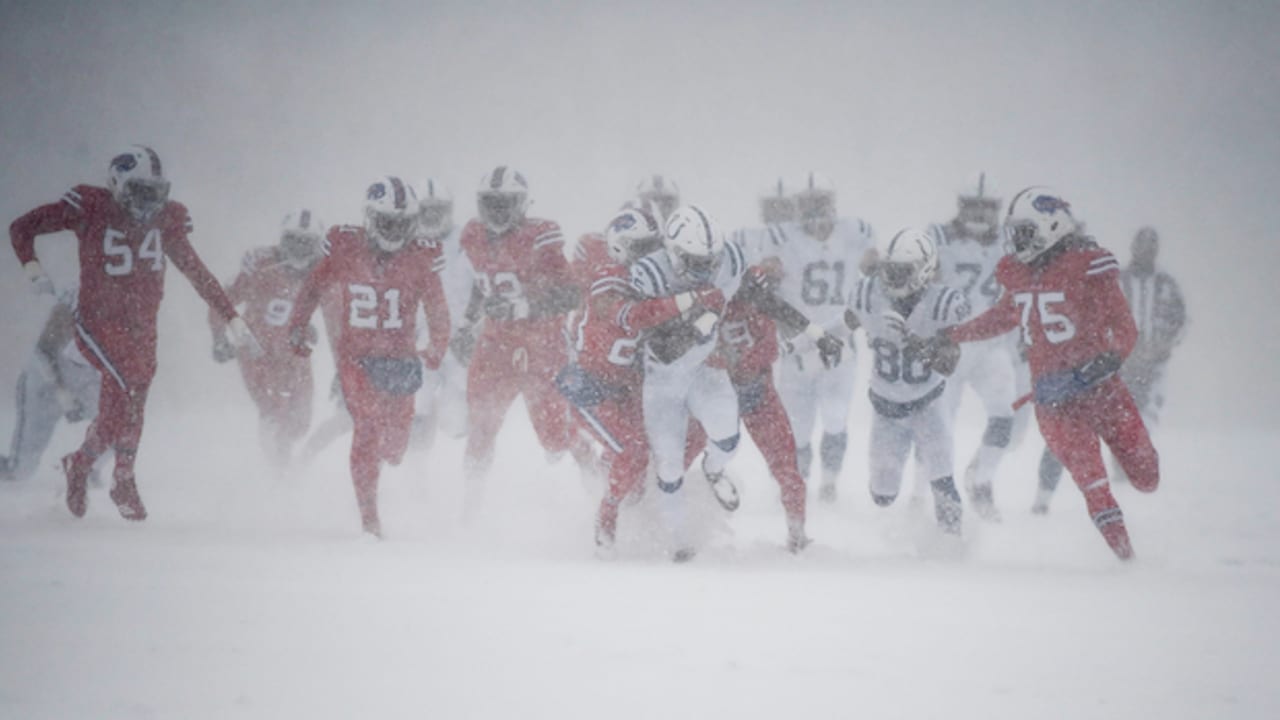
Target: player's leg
[(993, 381), (549, 412), (714, 402), (491, 388), (834, 396), (795, 383), (934, 448), (766, 421), (666, 423), (618, 425), (36, 415), (124, 488), (890, 442), (1049, 475), (1070, 437), (1119, 423)]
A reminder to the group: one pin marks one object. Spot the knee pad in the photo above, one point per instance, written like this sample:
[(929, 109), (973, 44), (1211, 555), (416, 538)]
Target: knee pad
[(728, 444), (832, 450), (883, 500), (1050, 470), (670, 487), (999, 432)]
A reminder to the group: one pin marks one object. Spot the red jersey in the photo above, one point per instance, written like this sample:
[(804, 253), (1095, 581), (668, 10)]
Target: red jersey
[(268, 287), (748, 341), (1070, 308), (380, 293), (604, 342), (122, 263), (525, 264)]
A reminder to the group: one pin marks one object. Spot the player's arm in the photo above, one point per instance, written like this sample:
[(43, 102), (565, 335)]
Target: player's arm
[(556, 291), (758, 291), (57, 333), (997, 320), (54, 217), (305, 306), (437, 311), (237, 293), (1106, 295)]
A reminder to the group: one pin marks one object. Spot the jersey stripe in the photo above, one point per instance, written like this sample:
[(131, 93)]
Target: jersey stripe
[(548, 238), (72, 201), (937, 305), (609, 284), (654, 274), (946, 309), (101, 355), (735, 257)]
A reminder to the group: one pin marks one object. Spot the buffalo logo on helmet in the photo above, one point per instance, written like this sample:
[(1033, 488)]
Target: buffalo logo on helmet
[(377, 191), (1050, 204), (124, 162), (625, 221)]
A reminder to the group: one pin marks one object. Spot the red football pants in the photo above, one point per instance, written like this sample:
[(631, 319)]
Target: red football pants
[(380, 433), (127, 370), (1072, 431)]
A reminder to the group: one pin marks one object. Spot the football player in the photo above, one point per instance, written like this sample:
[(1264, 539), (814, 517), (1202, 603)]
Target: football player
[(968, 250), (900, 301), (659, 195), (443, 398), (694, 273), (126, 233), (1062, 293), (603, 383), (57, 383), (1160, 314), (820, 255), (524, 289), (383, 274), (279, 382)]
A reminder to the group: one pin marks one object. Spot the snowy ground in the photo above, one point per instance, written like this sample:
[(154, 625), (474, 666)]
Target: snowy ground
[(247, 595)]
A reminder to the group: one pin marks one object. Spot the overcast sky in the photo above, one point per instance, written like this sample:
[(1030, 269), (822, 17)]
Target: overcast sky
[(1138, 112)]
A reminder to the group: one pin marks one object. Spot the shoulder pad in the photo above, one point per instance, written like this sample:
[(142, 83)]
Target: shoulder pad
[(1101, 262), (545, 233)]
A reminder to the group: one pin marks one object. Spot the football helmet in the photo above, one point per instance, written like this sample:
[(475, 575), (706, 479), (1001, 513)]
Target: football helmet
[(816, 205), (979, 215), (301, 239), (502, 198), (435, 209), (694, 242), (908, 262), (1038, 219), (632, 234), (662, 192), (776, 206), (390, 213), (137, 182)]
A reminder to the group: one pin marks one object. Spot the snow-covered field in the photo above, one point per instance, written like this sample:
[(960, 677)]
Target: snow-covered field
[(248, 595)]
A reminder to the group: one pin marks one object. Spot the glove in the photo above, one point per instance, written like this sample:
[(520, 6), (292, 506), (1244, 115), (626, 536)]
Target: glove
[(830, 350), (463, 344), (40, 282), (242, 337), (498, 307), (223, 351), (710, 298), (706, 323), (767, 275), (1098, 369), (71, 406), (298, 337), (896, 324)]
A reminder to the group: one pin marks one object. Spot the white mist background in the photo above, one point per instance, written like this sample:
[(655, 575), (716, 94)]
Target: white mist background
[(1142, 112)]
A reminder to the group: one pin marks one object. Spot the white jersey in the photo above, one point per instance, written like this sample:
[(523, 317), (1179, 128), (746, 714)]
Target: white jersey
[(654, 275), (968, 266), (898, 376), (819, 275)]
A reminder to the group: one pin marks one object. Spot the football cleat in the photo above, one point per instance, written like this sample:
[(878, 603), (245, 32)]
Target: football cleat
[(77, 472), (125, 495), (725, 491)]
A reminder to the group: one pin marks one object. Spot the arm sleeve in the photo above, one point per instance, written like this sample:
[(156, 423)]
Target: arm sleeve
[(51, 218), (437, 310), (236, 292), (1105, 293), (309, 297), (178, 248), (997, 320), (555, 291), (791, 322), (645, 314)]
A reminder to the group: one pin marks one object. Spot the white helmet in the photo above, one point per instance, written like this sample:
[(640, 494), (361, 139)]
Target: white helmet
[(694, 242), (301, 239), (907, 262), (816, 205), (979, 215), (776, 206), (662, 192), (136, 180), (632, 234), (1038, 219), (435, 209), (390, 213), (502, 198)]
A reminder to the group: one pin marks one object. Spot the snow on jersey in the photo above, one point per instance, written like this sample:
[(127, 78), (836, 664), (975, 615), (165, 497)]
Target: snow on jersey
[(523, 263), (1068, 309), (380, 294), (818, 276), (603, 344), (968, 266), (268, 287), (655, 275), (898, 374)]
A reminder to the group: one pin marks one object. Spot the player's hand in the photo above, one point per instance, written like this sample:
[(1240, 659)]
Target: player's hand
[(896, 324), (242, 337), (298, 341), (432, 356), (40, 282), (498, 307), (706, 323), (711, 299), (463, 344), (72, 408), (1098, 369), (851, 320), (767, 275), (830, 350), (223, 351)]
